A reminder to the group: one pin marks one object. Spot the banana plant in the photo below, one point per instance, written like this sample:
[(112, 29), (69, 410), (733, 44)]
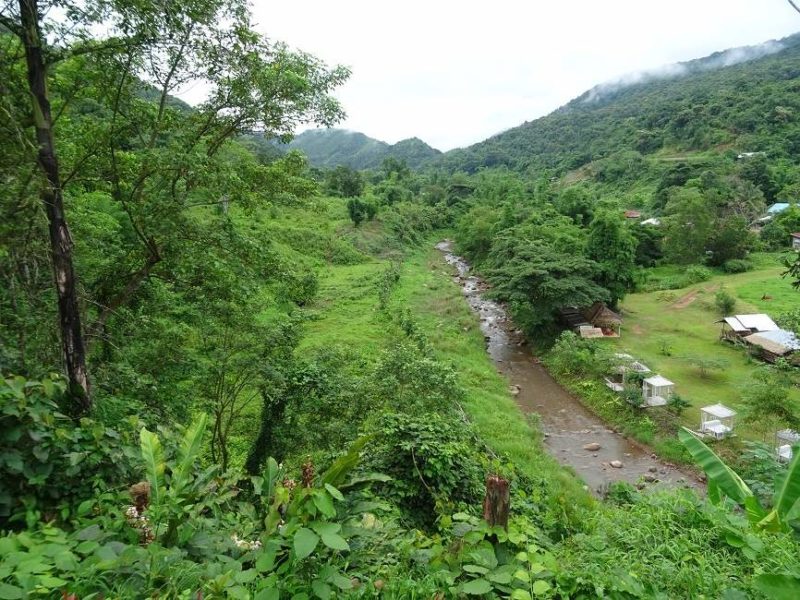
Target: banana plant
[(175, 487), (724, 482)]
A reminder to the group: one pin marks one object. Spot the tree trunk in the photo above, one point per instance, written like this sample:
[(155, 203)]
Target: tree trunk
[(52, 198), (497, 501)]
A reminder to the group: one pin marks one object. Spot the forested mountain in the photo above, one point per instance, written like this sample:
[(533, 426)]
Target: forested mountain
[(744, 99), (335, 147)]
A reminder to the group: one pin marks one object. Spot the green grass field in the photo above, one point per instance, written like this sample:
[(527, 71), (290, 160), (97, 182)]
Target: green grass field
[(683, 323)]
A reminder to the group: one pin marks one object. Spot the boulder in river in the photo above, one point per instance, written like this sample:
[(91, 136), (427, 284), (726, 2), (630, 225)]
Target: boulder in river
[(617, 464), (592, 447)]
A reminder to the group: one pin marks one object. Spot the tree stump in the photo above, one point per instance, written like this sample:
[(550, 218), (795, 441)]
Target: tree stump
[(497, 501)]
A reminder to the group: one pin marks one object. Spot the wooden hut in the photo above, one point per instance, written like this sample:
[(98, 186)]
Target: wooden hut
[(772, 345), (601, 317)]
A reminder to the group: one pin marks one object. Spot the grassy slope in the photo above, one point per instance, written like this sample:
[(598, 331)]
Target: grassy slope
[(652, 319), (347, 313)]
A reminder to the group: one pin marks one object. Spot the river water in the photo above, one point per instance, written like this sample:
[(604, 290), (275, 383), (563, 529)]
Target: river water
[(567, 424)]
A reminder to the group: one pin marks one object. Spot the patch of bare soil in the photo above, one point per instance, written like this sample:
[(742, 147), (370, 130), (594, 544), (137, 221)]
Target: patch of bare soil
[(685, 301)]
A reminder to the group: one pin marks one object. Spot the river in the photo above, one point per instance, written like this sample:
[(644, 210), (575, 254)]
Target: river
[(567, 424)]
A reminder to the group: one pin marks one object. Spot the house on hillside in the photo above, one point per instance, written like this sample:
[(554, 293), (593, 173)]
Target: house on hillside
[(651, 221), (737, 327), (632, 214), (779, 343), (796, 241), (743, 155)]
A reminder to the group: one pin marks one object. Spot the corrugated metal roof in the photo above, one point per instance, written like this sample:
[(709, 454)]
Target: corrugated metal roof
[(778, 207), (718, 410), (755, 323), (778, 342)]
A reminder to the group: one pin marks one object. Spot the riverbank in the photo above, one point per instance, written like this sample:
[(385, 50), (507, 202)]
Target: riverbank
[(575, 435)]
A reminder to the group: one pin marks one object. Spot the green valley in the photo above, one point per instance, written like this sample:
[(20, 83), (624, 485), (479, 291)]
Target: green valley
[(236, 362)]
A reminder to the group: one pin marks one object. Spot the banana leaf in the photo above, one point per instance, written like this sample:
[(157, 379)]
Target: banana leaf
[(723, 477), (153, 457)]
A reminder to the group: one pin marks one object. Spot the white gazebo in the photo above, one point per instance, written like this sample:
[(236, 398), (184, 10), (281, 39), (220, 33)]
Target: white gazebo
[(784, 440), (657, 390), (716, 420)]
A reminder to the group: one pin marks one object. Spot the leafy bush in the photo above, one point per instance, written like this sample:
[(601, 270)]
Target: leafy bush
[(433, 462), (724, 302), (696, 274), (575, 356), (737, 265), (48, 462)]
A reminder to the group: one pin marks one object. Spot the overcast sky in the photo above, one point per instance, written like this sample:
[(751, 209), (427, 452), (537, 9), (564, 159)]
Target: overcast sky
[(455, 72)]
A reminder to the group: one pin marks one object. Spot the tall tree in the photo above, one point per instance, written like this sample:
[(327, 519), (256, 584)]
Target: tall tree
[(160, 160), (613, 247)]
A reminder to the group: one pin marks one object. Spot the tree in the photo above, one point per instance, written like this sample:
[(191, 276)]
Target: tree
[(537, 280), (768, 405), (613, 247), (730, 239), (160, 159), (688, 225), (724, 302), (345, 182)]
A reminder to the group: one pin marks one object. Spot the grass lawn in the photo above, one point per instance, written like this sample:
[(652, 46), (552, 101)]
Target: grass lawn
[(683, 321)]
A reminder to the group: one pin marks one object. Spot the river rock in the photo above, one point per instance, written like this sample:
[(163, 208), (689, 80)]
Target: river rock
[(653, 469), (592, 447), (617, 464), (514, 389), (650, 478)]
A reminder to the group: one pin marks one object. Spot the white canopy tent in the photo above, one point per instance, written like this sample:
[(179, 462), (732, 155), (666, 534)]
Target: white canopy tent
[(716, 420), (784, 440), (657, 390)]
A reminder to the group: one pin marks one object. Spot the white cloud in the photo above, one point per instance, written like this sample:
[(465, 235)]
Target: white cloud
[(453, 73)]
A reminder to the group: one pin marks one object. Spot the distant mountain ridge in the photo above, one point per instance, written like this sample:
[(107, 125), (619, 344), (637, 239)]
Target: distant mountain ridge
[(334, 147), (746, 98)]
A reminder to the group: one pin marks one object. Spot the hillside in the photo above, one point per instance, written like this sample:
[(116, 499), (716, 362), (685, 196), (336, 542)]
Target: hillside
[(744, 99), (333, 147)]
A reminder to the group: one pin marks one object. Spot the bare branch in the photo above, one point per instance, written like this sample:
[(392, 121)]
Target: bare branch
[(794, 6)]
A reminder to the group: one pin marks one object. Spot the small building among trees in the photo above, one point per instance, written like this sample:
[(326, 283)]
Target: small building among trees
[(597, 321), (785, 439), (796, 241)]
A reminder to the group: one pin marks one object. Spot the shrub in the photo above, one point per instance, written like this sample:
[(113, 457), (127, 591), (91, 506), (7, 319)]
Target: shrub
[(724, 302), (48, 462), (737, 265), (696, 274)]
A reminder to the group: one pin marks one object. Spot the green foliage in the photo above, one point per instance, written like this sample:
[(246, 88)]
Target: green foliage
[(433, 461), (577, 357), (536, 280), (612, 246), (736, 265), (360, 210), (49, 462)]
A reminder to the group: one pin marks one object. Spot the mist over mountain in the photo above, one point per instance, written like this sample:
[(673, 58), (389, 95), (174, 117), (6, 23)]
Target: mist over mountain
[(743, 98)]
